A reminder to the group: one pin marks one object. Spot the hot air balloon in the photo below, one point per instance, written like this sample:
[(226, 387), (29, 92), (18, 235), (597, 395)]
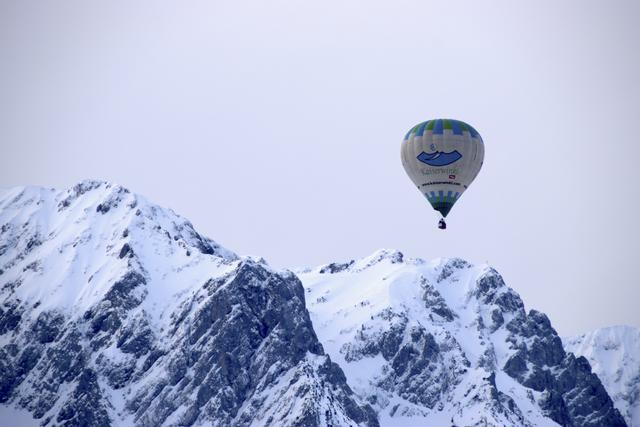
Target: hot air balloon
[(442, 157)]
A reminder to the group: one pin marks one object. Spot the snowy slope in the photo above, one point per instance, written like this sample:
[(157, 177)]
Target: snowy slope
[(115, 311), (614, 355), (447, 343), (71, 245)]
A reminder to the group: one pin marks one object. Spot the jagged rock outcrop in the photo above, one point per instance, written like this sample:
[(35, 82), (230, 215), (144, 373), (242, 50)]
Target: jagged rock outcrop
[(614, 356), (116, 311), (449, 343)]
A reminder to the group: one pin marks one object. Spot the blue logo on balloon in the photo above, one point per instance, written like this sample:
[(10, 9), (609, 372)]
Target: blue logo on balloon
[(439, 158)]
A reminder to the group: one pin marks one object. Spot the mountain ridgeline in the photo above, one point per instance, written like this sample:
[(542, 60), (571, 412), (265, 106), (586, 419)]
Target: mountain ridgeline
[(115, 311)]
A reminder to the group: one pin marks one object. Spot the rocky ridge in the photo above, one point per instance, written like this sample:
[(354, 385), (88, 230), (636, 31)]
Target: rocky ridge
[(448, 343), (115, 311)]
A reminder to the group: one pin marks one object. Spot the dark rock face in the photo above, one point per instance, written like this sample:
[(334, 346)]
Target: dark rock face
[(252, 330), (422, 370), (48, 327), (434, 301), (451, 266), (491, 290), (540, 363), (126, 250), (78, 190), (47, 365), (86, 407), (232, 345), (572, 394), (10, 316), (336, 267)]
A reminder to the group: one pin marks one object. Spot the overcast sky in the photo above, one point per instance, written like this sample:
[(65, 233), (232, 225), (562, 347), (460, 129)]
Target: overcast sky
[(275, 126)]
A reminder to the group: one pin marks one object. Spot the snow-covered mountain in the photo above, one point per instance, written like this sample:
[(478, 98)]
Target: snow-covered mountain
[(115, 311), (614, 355), (448, 343)]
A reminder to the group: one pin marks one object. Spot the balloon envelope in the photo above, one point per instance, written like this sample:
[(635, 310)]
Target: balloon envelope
[(442, 157)]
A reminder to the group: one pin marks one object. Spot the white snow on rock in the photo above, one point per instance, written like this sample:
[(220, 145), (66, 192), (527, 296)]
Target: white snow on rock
[(614, 355), (73, 230), (354, 304), (114, 310)]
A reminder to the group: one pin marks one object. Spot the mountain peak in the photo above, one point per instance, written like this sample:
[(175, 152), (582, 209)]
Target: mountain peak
[(100, 230), (117, 311), (447, 342), (355, 265)]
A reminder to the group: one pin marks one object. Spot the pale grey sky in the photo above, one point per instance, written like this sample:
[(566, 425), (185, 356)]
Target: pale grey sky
[(275, 126)]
